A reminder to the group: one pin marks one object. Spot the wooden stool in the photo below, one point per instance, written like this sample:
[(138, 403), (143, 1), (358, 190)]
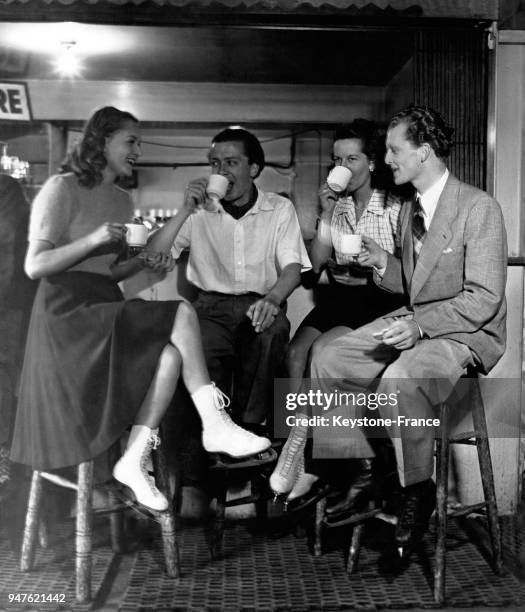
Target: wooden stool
[(254, 469), (358, 521), (477, 436), (83, 546)]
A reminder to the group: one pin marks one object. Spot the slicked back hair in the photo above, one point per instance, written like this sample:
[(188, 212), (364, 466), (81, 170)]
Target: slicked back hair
[(252, 147), (425, 125)]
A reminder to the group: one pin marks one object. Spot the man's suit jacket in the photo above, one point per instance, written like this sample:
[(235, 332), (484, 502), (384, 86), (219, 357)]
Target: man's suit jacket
[(457, 288)]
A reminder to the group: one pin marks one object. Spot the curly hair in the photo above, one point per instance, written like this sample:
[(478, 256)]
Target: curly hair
[(425, 125), (87, 160), (252, 147), (372, 137)]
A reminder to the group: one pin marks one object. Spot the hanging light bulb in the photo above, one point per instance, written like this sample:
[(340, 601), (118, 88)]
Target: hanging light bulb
[(68, 64)]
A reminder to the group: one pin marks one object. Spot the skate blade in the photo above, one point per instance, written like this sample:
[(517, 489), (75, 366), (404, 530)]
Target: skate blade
[(224, 461), (128, 498)]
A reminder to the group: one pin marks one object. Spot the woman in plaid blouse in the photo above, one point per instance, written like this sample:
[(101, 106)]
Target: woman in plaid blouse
[(350, 299)]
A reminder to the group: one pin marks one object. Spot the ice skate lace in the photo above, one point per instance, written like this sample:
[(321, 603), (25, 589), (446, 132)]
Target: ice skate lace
[(222, 401), (292, 452), (153, 443)]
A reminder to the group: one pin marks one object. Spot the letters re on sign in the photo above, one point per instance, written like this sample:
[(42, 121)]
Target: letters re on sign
[(14, 102)]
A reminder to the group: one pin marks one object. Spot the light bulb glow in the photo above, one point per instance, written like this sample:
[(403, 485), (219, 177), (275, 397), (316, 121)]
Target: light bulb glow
[(68, 64)]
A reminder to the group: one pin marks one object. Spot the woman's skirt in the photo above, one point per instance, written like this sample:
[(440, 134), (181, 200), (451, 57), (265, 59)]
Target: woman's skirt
[(350, 306), (90, 358)]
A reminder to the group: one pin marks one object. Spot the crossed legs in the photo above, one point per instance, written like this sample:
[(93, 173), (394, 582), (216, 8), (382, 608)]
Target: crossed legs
[(183, 354)]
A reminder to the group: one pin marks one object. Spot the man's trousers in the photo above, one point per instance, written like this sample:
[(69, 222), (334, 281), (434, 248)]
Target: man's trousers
[(420, 378)]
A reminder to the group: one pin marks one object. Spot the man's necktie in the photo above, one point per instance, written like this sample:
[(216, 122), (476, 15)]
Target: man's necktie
[(418, 228)]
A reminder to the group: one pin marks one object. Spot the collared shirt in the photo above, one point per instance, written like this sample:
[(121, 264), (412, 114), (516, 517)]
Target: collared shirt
[(239, 211), (378, 221), (236, 256), (429, 199)]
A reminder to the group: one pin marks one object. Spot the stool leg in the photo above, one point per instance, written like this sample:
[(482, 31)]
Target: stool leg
[(355, 548), (258, 488), (217, 534), (487, 477), (177, 489), (320, 508), (116, 519), (116, 525), (166, 518), (442, 461), (31, 523), (43, 532), (84, 530)]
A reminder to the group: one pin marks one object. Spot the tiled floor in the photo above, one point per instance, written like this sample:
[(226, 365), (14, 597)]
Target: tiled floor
[(264, 568)]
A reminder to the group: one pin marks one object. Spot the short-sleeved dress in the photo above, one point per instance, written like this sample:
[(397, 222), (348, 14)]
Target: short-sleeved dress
[(90, 356)]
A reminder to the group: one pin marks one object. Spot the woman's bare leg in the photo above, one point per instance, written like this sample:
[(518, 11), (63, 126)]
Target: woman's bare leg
[(186, 337), (161, 389), (289, 475), (219, 434), (290, 466), (297, 355), (185, 352)]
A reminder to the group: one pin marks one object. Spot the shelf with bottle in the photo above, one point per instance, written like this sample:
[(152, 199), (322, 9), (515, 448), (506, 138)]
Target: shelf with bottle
[(12, 165), (154, 218)]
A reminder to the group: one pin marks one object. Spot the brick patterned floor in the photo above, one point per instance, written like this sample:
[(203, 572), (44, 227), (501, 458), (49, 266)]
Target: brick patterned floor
[(264, 568)]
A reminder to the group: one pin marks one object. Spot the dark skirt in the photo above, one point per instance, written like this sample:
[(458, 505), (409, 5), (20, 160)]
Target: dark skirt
[(89, 361), (338, 304)]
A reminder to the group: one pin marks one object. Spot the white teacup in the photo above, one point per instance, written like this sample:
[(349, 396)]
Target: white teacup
[(217, 187), (351, 244), (338, 178), (136, 235)]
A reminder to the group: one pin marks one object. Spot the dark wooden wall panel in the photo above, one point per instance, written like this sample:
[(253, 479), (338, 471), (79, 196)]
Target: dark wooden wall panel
[(450, 75)]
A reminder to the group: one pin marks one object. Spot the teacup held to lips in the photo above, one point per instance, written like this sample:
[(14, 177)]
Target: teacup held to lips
[(217, 187), (339, 178), (351, 244)]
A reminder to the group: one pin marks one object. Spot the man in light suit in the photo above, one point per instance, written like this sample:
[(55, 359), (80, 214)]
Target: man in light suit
[(453, 270)]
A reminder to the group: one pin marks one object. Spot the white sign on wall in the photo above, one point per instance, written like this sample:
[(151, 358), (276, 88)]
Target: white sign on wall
[(14, 102)]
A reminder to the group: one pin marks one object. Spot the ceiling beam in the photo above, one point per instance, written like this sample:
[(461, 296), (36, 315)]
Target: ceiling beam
[(302, 16), (206, 102)]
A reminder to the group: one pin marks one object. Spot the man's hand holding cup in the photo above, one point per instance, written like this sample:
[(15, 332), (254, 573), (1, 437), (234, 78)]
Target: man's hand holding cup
[(195, 195)]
